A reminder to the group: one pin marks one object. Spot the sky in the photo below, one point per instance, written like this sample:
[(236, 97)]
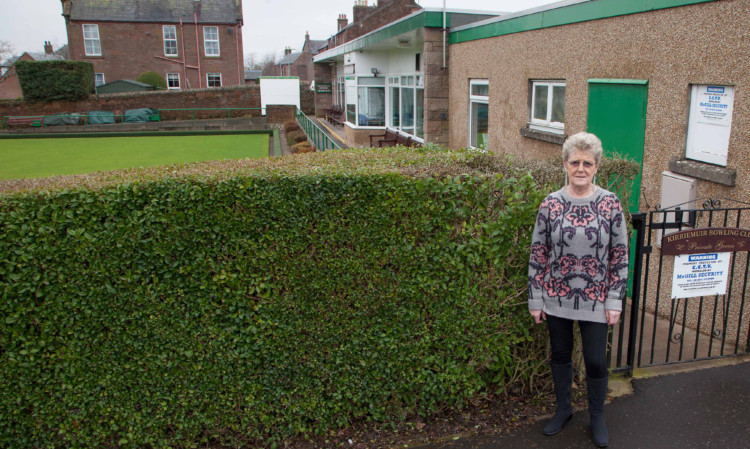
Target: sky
[(270, 25)]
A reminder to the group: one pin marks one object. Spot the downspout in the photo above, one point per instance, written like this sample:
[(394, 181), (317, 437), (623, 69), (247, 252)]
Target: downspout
[(240, 81), (445, 12), (184, 55), (198, 50)]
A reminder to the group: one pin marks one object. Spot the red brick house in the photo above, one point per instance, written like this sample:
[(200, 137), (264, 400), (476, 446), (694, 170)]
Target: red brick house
[(10, 87), (300, 64), (191, 43)]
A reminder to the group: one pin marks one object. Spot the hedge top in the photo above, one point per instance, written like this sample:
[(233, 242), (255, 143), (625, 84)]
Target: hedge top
[(412, 162)]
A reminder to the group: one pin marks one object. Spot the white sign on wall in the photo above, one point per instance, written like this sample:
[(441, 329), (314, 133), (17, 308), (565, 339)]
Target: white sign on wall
[(700, 275), (715, 105), (710, 122)]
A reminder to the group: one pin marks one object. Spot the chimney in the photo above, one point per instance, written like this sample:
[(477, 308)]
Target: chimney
[(65, 8), (48, 48), (287, 51), (360, 10), (342, 22), (307, 36)]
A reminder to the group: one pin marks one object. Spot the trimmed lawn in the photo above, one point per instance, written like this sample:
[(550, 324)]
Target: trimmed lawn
[(38, 158)]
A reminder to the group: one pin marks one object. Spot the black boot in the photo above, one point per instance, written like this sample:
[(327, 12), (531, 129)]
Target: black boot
[(562, 375), (597, 389)]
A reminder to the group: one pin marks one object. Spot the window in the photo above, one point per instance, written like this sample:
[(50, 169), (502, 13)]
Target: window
[(91, 43), (709, 123), (98, 79), (213, 79), (479, 113), (371, 101), (170, 40), (173, 81), (341, 92), (406, 110), (211, 40), (548, 106)]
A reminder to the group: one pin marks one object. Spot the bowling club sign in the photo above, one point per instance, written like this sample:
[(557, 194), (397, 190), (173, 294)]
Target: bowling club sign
[(702, 256)]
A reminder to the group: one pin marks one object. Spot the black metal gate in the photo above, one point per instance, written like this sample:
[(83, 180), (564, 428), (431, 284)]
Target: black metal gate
[(658, 330)]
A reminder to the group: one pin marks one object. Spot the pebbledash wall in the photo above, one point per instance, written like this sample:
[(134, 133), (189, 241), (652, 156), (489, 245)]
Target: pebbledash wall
[(666, 45), (699, 42)]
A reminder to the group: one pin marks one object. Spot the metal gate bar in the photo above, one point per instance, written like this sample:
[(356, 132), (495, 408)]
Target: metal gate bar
[(654, 327)]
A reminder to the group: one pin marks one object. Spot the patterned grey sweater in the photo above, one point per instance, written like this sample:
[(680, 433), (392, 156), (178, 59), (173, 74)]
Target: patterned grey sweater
[(579, 256)]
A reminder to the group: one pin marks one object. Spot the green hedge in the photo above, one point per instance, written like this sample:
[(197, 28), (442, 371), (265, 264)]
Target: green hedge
[(55, 80), (255, 307), (152, 78)]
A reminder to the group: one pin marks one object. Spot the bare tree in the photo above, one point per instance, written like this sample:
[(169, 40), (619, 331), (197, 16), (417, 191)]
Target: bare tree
[(251, 61), (7, 51), (269, 64)]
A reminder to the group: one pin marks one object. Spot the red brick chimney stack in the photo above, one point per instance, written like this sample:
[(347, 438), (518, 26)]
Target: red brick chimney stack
[(48, 48), (343, 22)]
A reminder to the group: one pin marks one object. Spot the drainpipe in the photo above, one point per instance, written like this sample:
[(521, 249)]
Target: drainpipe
[(184, 56), (198, 50), (445, 12), (240, 80)]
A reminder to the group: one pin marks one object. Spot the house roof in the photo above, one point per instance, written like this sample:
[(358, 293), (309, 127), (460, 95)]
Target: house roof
[(208, 11), (290, 58), (253, 74), (315, 46), (40, 56)]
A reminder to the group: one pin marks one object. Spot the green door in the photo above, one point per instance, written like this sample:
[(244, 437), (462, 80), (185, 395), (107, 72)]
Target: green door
[(617, 115)]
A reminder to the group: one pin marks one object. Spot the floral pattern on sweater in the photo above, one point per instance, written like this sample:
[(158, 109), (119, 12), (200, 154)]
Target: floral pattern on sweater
[(578, 265)]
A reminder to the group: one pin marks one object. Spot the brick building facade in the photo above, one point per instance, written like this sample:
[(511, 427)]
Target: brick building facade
[(191, 43), (300, 64)]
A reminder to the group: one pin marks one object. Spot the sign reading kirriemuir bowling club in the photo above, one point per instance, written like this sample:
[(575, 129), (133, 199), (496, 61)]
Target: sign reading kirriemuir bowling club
[(701, 263)]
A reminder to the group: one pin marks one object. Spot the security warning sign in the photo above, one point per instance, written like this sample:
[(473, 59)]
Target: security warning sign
[(700, 275)]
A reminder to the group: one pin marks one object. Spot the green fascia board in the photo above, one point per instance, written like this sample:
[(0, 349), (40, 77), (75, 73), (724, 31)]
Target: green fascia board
[(564, 15), (616, 81), (422, 19)]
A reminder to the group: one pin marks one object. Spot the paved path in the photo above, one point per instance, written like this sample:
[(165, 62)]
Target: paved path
[(709, 408)]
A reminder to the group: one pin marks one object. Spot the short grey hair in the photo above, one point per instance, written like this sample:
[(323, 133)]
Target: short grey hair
[(583, 141)]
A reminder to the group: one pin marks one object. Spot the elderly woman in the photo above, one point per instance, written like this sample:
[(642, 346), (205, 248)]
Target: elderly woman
[(578, 272)]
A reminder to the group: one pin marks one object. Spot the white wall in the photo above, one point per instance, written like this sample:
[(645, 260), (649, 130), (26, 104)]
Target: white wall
[(279, 91)]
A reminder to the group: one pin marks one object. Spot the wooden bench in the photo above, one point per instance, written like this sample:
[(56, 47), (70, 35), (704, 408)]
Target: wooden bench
[(334, 115), (388, 138), (24, 121)]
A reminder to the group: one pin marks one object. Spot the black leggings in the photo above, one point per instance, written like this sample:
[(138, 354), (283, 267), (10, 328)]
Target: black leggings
[(593, 337)]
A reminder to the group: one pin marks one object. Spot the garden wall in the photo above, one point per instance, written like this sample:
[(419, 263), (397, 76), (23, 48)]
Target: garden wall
[(226, 97)]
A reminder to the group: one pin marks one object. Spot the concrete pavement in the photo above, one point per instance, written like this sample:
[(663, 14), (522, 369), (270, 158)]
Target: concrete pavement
[(706, 408)]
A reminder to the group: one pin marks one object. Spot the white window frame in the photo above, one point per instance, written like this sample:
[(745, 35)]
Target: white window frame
[(476, 99), (710, 123), (546, 124), (208, 83), (96, 79), (170, 30), (399, 81), (206, 41), (91, 35), (363, 89), (174, 75)]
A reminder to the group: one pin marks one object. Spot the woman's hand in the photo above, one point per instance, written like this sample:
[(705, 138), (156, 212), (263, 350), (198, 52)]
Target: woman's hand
[(538, 315), (612, 316)]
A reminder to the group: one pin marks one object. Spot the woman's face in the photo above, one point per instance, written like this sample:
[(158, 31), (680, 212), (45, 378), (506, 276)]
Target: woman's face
[(581, 167)]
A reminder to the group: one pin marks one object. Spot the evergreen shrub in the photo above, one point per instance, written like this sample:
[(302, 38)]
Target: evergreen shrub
[(154, 79), (244, 302), (55, 80)]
